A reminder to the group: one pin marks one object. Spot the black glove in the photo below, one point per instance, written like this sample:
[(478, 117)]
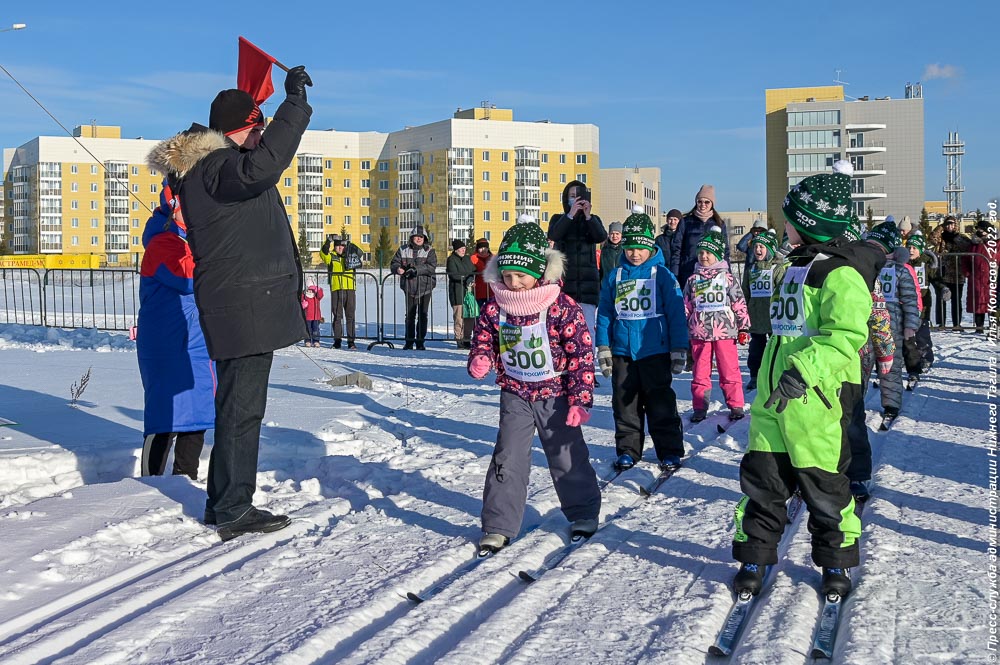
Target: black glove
[(296, 81), (791, 385), (410, 273), (326, 247)]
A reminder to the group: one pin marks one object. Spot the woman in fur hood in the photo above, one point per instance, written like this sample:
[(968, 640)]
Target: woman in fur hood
[(536, 339)]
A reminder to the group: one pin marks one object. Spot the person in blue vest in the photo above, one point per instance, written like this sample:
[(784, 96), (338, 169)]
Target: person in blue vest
[(178, 377)]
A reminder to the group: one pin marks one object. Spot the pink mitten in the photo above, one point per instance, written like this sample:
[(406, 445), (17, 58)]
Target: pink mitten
[(884, 366), (479, 367), (577, 416)]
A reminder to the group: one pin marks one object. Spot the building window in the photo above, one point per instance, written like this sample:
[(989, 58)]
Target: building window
[(505, 196), (486, 155), (366, 202), (74, 205), (366, 238), (582, 177), (347, 221), (581, 159), (383, 184), (545, 216), (135, 205), (328, 201), (366, 165), (329, 182), (135, 170), (486, 215), (383, 221), (73, 169), (329, 164), (486, 196), (347, 165), (383, 204), (94, 240), (366, 220), (505, 176), (135, 189), (75, 241), (562, 159), (810, 118), (288, 182), (153, 172), (562, 178), (347, 183), (505, 215), (545, 158), (819, 138), (505, 156), (545, 197), (93, 186), (739, 230), (486, 176), (288, 200), (329, 220), (383, 166), (135, 240), (545, 177), (93, 169), (75, 222), (347, 201), (366, 183), (74, 187), (93, 222), (135, 223), (93, 205), (152, 189)]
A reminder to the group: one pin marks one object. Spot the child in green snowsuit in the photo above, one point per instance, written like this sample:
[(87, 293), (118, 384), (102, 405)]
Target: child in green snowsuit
[(808, 383)]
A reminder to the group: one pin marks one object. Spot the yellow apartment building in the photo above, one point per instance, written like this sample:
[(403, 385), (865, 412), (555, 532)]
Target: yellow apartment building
[(468, 176)]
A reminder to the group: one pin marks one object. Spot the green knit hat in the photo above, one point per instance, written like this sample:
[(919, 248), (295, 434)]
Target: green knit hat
[(523, 249), (769, 239), (638, 232), (713, 242), (887, 235), (854, 231), (917, 240), (819, 207)]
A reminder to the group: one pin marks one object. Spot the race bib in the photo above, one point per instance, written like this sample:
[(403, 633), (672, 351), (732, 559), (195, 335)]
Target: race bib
[(636, 298), (921, 277), (760, 283), (887, 278), (525, 351), (710, 294), (788, 315)]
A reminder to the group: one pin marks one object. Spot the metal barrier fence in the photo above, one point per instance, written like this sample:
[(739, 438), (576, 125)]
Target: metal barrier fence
[(108, 299)]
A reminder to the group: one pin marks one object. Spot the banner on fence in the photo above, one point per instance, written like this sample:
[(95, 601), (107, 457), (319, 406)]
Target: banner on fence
[(51, 261)]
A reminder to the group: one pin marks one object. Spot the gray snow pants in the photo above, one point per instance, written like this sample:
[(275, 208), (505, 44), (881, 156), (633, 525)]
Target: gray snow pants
[(506, 489), (891, 384)]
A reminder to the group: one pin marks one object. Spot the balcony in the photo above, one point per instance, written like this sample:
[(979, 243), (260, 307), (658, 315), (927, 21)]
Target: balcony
[(310, 168), (460, 182), (877, 146), (522, 182), (526, 203), (865, 127), (868, 196), (870, 170), (409, 186), (527, 163)]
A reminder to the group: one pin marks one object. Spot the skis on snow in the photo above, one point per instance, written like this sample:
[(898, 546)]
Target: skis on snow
[(887, 422), (466, 567), (826, 632), (736, 620)]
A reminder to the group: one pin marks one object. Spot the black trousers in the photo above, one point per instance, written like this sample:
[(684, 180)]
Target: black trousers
[(642, 391), (240, 398), (956, 304), (187, 452), (342, 305), (416, 318), (755, 353)]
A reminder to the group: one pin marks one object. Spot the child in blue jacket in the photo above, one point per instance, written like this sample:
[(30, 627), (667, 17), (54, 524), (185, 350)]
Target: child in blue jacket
[(642, 338)]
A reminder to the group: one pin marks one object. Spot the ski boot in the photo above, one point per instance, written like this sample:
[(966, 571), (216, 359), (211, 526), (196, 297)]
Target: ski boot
[(624, 462), (752, 384), (491, 543), (889, 415), (584, 528), (749, 579), (699, 415), (836, 581), (736, 413), (861, 490), (670, 463)]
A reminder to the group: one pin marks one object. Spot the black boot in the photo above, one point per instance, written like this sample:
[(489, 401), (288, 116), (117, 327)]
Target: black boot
[(837, 580), (750, 578), (253, 521)]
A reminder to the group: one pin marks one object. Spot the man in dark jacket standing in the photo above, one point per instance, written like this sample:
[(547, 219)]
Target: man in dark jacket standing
[(576, 233), (611, 250), (666, 237), (415, 263), (247, 280), (461, 273)]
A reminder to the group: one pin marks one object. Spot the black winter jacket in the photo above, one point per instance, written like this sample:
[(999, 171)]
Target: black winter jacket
[(578, 240), (423, 260), (247, 277), (461, 272), (684, 245)]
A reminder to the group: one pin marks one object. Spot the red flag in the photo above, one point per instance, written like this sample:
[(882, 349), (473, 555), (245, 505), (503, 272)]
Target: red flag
[(254, 73)]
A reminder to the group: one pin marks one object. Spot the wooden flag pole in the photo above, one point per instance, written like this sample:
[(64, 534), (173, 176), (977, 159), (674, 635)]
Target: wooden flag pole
[(278, 64)]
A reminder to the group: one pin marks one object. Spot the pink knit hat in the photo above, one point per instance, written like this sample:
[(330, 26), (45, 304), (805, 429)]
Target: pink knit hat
[(706, 192)]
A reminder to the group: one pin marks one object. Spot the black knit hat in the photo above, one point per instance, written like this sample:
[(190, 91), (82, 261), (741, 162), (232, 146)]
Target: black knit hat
[(234, 110), (457, 244)]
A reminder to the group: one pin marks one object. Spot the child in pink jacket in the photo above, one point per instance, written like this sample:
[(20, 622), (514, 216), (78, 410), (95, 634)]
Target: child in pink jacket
[(314, 314), (717, 317)]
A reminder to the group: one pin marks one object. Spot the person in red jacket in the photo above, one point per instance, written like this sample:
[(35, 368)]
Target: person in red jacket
[(978, 272), (311, 298), (480, 258)]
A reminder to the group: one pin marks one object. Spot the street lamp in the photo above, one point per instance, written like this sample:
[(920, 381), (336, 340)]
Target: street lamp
[(16, 26)]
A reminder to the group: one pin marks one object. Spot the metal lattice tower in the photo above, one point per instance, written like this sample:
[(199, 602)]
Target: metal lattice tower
[(953, 149)]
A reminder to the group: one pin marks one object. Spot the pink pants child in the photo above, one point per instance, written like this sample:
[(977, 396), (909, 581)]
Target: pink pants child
[(730, 379)]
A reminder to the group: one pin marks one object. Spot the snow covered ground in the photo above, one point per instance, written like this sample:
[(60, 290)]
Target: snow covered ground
[(100, 566)]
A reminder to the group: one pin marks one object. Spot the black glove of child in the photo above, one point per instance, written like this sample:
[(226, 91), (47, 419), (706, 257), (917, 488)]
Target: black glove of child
[(791, 385), (678, 360), (296, 81)]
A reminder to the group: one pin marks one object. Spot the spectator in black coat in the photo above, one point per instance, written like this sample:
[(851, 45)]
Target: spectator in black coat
[(576, 233), (416, 264), (611, 250), (666, 237), (684, 245), (247, 279), (461, 274)]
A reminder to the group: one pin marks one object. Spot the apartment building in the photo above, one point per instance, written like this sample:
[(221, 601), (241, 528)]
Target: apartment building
[(619, 190)]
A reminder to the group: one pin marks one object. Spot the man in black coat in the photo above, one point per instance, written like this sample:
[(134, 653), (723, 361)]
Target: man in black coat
[(247, 279), (416, 264), (576, 233)]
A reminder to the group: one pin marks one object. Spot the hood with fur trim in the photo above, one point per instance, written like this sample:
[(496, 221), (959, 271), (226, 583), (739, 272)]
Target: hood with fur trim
[(179, 154), (555, 268)]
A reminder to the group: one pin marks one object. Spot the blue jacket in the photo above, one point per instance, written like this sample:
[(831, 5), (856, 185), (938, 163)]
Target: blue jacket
[(644, 337), (178, 377)]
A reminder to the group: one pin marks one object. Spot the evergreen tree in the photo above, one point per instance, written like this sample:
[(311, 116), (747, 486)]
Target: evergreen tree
[(925, 223), (305, 256), (383, 250), (870, 218)]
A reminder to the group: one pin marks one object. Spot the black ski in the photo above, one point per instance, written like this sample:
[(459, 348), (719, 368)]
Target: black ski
[(649, 490), (743, 605), (911, 383), (466, 567), (826, 632), (887, 422), (552, 560)]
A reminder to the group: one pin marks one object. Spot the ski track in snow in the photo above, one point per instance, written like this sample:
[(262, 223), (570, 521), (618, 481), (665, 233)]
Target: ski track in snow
[(385, 491)]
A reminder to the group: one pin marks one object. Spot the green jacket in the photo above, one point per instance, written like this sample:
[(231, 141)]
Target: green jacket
[(341, 279), (760, 306)]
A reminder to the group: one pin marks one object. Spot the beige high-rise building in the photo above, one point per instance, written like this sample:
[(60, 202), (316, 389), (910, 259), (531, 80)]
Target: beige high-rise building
[(619, 190)]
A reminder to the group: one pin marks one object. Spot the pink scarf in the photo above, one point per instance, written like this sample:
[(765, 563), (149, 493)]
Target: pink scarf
[(706, 217), (525, 303)]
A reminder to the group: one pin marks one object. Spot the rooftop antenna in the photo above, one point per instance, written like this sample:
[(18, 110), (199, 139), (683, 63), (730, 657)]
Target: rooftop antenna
[(836, 79), (485, 104)]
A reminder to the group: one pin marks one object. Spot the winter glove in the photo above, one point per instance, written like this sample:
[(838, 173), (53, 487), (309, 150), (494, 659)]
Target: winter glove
[(577, 416), (479, 367), (410, 273), (743, 338), (296, 81), (678, 359), (884, 366), (908, 333), (791, 385), (604, 361)]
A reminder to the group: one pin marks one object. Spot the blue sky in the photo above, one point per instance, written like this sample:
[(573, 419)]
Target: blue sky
[(679, 86)]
